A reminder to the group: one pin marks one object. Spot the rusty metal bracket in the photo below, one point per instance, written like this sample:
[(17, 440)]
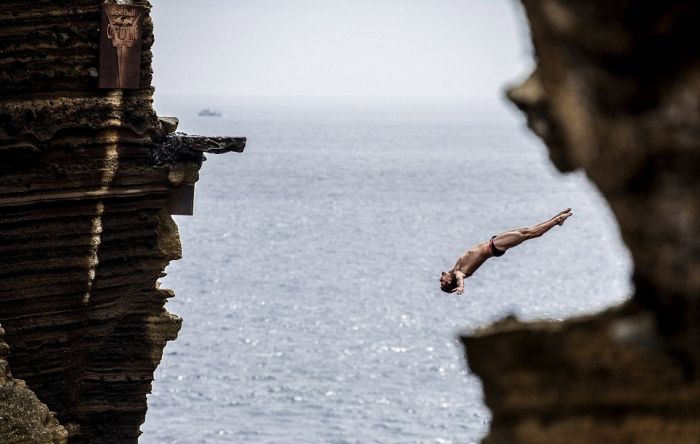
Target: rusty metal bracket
[(181, 201)]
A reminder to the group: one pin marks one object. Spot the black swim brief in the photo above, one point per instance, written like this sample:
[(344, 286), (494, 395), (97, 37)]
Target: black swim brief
[(495, 251)]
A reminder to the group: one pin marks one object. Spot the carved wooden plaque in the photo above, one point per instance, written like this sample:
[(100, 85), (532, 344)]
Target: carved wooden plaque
[(120, 46)]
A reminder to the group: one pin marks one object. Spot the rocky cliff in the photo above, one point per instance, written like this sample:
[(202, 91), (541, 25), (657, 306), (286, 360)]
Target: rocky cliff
[(23, 418), (87, 178), (616, 93)]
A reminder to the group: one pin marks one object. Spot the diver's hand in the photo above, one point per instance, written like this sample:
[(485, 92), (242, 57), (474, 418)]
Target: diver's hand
[(458, 290)]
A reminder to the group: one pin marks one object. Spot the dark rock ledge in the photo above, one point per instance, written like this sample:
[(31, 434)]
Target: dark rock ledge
[(616, 92)]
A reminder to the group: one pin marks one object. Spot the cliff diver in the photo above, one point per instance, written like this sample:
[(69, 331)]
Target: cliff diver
[(453, 281)]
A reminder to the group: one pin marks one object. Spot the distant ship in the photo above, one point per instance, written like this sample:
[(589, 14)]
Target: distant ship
[(209, 113)]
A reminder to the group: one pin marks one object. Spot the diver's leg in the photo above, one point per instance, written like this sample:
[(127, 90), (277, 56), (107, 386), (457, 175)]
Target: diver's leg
[(512, 238), (559, 218)]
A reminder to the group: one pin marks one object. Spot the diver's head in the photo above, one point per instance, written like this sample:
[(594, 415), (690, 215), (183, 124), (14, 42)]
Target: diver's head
[(447, 281)]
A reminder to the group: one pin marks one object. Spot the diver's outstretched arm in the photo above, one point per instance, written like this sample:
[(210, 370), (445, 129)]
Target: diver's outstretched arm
[(459, 289)]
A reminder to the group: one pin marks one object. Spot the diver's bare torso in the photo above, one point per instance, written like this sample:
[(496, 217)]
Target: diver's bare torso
[(472, 259)]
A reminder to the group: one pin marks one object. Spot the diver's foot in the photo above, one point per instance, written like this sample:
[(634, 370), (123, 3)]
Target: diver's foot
[(568, 210), (561, 218)]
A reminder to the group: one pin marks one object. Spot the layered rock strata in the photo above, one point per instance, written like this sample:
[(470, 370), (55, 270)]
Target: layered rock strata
[(86, 177), (616, 92), (23, 418)]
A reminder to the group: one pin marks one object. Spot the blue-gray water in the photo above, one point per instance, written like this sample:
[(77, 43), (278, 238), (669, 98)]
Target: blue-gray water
[(309, 288)]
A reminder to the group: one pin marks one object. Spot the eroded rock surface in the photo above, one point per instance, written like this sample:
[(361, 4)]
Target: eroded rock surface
[(23, 418), (85, 227), (616, 92)]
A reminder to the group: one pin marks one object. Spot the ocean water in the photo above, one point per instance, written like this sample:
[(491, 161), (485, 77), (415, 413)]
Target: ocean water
[(309, 283)]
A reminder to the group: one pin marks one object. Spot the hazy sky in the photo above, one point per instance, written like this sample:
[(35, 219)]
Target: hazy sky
[(339, 48)]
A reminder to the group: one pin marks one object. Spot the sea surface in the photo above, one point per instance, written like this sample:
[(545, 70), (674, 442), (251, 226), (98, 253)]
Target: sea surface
[(309, 283)]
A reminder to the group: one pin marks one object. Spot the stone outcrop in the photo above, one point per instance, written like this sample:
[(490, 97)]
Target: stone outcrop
[(616, 93), (86, 177), (23, 418)]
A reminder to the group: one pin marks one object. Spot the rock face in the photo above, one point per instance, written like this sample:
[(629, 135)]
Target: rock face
[(85, 228), (23, 418), (617, 93)]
